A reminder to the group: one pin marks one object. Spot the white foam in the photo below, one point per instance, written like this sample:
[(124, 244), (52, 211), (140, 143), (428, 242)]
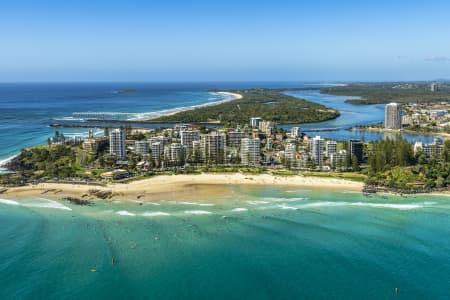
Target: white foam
[(194, 203), (125, 213), (156, 114), (6, 160), (197, 212), (154, 214), (46, 204), (282, 206), (285, 199), (364, 204), (239, 209), (257, 202), (9, 202)]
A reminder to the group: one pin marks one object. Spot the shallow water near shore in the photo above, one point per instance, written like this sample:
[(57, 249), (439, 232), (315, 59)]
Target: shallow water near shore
[(251, 243)]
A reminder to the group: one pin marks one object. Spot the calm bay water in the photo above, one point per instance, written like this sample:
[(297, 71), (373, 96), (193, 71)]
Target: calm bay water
[(255, 243)]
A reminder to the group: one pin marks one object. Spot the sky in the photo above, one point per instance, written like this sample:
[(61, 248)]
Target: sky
[(152, 40)]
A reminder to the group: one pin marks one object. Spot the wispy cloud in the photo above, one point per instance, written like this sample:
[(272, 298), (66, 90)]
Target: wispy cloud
[(437, 59)]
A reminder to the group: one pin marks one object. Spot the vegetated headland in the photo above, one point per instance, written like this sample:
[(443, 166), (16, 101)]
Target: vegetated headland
[(270, 105)]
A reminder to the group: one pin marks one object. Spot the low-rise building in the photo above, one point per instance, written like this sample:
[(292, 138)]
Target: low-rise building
[(255, 121), (435, 149), (115, 174)]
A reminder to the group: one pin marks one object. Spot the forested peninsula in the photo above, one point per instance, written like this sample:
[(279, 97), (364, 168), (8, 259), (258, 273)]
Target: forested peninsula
[(270, 105), (381, 93)]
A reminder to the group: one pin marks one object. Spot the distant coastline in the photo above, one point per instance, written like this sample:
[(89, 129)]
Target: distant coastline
[(149, 116)]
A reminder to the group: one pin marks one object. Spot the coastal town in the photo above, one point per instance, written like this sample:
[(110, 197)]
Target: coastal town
[(259, 143), (256, 146)]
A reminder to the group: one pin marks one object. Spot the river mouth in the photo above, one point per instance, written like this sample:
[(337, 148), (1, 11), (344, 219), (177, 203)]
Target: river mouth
[(351, 116)]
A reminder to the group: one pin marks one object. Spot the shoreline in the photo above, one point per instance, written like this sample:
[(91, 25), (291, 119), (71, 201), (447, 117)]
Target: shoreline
[(169, 112), (176, 186)]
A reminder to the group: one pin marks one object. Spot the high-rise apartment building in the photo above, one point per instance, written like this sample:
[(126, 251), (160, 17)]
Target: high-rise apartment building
[(295, 132), (316, 150), (142, 147), (213, 147), (117, 143), (356, 148), (330, 148), (188, 137), (250, 151), (392, 116)]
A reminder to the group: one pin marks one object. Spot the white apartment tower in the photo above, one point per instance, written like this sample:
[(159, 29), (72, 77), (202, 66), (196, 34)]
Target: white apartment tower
[(330, 148), (157, 149), (213, 147), (267, 127), (290, 152), (188, 137), (316, 150), (175, 153), (392, 117), (295, 132), (434, 87), (142, 147), (250, 151), (117, 143)]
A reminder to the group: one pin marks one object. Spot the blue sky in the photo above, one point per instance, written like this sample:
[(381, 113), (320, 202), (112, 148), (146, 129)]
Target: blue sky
[(90, 40)]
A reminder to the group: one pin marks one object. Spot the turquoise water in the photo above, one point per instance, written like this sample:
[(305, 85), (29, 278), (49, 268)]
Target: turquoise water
[(249, 243)]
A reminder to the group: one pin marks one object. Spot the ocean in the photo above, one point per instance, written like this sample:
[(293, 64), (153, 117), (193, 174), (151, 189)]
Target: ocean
[(247, 243)]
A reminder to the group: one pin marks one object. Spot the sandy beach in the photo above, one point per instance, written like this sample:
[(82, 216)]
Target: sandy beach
[(170, 112), (174, 186)]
